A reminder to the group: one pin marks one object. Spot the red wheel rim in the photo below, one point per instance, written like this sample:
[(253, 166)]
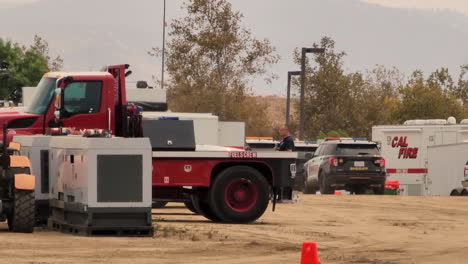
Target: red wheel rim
[(241, 195)]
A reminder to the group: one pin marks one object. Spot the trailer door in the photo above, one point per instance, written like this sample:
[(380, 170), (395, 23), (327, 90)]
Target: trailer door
[(405, 152)]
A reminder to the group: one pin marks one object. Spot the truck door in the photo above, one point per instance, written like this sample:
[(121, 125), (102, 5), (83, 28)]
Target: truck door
[(82, 105)]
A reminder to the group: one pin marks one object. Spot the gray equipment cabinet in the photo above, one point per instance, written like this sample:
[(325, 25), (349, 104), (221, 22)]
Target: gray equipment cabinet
[(100, 186)]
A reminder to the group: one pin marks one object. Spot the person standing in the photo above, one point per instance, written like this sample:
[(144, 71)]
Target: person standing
[(287, 144)]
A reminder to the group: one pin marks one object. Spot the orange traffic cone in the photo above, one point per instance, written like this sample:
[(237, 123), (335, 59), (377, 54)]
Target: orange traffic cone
[(309, 253)]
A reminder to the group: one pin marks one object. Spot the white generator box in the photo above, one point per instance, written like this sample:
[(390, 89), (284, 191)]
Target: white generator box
[(36, 148), (405, 148), (446, 168), (100, 185)]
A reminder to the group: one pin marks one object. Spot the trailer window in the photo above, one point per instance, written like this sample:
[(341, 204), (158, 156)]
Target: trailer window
[(82, 97), (357, 149)]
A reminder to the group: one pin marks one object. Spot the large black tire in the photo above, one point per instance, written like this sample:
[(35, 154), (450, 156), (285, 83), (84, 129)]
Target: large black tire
[(239, 194), (325, 187), (455, 192), (21, 218), (158, 204), (189, 205), (201, 206)]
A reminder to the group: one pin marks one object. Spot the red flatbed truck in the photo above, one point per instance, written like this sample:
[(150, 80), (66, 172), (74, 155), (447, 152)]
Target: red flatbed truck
[(227, 186)]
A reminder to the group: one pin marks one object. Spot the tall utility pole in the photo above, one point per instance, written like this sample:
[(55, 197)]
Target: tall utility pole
[(288, 98), (164, 45), (303, 68)]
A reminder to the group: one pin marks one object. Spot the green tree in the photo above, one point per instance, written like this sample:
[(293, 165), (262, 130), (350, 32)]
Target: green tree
[(429, 99), (333, 133), (347, 102), (26, 66), (334, 100), (212, 61), (461, 90), (42, 47)]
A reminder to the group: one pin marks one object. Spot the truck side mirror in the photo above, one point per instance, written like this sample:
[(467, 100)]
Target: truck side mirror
[(309, 155), (58, 103), (142, 84), (58, 98)]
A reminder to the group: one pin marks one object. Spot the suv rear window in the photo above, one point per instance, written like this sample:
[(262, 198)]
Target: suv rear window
[(357, 149)]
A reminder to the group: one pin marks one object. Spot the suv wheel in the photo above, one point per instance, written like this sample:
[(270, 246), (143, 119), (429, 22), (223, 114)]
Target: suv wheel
[(309, 188), (379, 190), (325, 187)]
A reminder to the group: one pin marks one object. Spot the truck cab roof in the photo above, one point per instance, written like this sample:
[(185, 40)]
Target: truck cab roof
[(62, 74)]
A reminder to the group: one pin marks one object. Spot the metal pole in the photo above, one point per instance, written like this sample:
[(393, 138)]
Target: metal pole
[(301, 106), (164, 45), (288, 97), (303, 68)]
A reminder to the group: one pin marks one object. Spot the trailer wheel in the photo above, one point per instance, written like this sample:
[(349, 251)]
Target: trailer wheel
[(21, 219), (455, 192), (464, 192), (189, 205), (325, 187), (201, 206), (239, 194)]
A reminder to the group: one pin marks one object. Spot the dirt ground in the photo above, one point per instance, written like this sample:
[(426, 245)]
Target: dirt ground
[(348, 229)]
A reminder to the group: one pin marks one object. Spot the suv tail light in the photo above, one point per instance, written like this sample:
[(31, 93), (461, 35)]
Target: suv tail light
[(380, 162), (333, 161)]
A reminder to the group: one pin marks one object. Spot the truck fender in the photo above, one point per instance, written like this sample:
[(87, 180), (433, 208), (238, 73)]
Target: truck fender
[(25, 182)]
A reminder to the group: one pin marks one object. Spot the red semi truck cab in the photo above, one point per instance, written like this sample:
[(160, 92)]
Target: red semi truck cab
[(90, 100), (229, 186)]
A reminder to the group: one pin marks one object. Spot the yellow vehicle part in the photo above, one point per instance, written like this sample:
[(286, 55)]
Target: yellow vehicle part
[(15, 145), (19, 162), (24, 182)]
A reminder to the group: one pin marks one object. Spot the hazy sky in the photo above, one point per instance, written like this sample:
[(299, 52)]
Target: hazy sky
[(458, 5), (385, 32)]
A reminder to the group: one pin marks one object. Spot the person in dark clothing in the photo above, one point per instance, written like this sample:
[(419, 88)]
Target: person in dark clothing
[(287, 144)]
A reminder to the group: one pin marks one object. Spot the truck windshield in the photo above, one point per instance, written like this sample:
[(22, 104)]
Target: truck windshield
[(357, 149), (42, 97)]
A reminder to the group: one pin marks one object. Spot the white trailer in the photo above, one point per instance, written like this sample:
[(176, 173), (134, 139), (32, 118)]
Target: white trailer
[(405, 148), (446, 168)]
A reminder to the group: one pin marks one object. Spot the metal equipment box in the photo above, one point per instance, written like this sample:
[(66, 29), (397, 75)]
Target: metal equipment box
[(100, 186)]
